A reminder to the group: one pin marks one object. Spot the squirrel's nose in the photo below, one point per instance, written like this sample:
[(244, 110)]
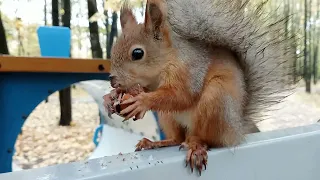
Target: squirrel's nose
[(113, 81), (111, 77)]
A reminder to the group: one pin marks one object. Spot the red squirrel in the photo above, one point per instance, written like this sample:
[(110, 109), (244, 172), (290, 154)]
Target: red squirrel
[(210, 69)]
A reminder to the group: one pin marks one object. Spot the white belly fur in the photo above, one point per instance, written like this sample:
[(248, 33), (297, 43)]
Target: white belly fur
[(184, 119)]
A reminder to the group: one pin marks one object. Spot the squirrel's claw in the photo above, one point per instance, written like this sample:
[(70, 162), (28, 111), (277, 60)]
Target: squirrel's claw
[(196, 156), (183, 146), (144, 144), (140, 115)]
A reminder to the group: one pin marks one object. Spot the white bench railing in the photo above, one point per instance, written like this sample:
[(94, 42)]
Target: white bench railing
[(288, 154), (122, 137)]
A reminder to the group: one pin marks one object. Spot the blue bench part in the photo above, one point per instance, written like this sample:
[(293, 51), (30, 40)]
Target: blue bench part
[(54, 41), (96, 134), (20, 93)]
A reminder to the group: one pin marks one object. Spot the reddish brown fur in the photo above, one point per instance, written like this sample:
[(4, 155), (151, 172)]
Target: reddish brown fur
[(209, 123), (171, 128), (173, 86), (168, 81)]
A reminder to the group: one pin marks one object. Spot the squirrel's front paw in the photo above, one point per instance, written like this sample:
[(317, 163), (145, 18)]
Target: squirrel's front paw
[(138, 107), (108, 101)]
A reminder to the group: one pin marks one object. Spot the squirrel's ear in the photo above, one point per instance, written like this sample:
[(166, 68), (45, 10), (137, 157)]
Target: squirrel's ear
[(126, 15), (155, 17)]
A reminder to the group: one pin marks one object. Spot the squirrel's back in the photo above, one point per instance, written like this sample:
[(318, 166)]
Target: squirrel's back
[(261, 45)]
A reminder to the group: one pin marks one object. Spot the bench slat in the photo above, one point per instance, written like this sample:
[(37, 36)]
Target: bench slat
[(47, 64)]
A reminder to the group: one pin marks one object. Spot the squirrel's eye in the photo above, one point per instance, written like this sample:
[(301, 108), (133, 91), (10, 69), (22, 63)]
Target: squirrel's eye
[(137, 54)]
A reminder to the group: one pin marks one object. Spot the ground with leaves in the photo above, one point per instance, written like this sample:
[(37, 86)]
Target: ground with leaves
[(44, 143)]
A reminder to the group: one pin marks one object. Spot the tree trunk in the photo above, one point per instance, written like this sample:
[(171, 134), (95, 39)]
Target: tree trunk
[(45, 12), (317, 42), (55, 13), (300, 23), (107, 29), (292, 20), (315, 65), (65, 94), (66, 18), (113, 33), (306, 59), (142, 7), (310, 45), (3, 39), (314, 54), (94, 31), (286, 11), (45, 23)]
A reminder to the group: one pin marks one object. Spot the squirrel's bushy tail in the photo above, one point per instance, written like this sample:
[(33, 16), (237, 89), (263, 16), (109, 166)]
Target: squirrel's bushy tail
[(260, 42)]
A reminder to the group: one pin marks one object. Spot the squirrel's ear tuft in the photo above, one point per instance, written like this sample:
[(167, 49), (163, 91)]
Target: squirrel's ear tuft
[(155, 17), (126, 15)]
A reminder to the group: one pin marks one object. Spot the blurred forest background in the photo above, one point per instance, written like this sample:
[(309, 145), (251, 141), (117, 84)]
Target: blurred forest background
[(95, 27), (94, 24)]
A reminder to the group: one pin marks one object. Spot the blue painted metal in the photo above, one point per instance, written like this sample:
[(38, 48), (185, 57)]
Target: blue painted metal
[(20, 93), (54, 41), (96, 134), (162, 135), (99, 128)]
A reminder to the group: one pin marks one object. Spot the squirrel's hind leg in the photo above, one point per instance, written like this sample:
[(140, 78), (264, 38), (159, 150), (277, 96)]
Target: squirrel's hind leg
[(196, 154), (216, 119)]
